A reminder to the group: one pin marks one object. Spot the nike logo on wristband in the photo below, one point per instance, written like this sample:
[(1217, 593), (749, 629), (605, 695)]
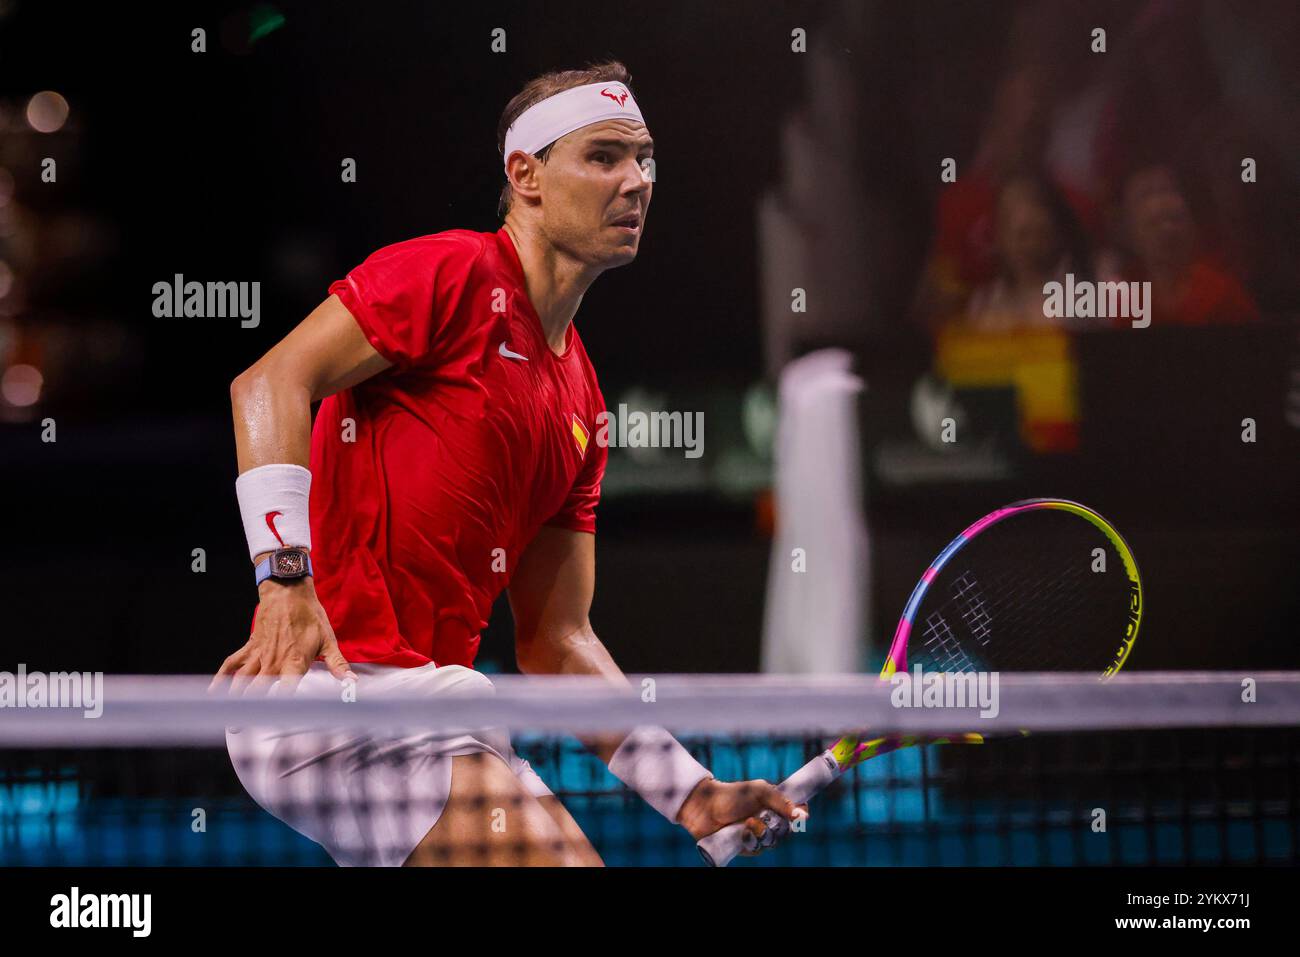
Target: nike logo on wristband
[(270, 523), (505, 353)]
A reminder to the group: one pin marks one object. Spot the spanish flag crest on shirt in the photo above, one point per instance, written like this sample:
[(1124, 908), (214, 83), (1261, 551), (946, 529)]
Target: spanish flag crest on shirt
[(580, 435)]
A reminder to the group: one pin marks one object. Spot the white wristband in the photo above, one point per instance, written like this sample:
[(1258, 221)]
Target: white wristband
[(655, 765), (273, 503)]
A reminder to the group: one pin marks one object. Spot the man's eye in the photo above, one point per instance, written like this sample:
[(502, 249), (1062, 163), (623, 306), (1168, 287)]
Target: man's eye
[(601, 157)]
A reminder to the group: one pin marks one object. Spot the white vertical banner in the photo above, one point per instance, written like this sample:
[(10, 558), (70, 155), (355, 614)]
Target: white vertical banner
[(818, 596)]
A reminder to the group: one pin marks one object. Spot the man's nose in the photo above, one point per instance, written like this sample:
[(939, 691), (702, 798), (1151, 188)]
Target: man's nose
[(640, 178)]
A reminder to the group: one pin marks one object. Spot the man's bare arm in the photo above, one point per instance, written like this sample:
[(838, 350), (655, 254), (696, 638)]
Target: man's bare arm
[(550, 595), (271, 405), (271, 400)]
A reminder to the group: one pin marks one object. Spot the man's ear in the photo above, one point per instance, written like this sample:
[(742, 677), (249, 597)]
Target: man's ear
[(523, 172)]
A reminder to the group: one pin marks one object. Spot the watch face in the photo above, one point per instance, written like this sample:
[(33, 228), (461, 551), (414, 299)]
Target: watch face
[(289, 563)]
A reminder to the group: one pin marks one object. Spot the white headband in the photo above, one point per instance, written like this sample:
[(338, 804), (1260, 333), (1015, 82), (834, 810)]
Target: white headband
[(545, 122)]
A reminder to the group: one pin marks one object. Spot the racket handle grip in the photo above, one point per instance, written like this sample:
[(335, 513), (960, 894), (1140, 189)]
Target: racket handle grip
[(722, 846)]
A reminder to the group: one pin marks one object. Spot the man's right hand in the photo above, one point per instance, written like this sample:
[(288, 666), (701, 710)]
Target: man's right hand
[(291, 631)]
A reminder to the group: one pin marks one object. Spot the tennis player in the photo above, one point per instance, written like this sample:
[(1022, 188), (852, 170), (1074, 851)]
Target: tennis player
[(454, 455)]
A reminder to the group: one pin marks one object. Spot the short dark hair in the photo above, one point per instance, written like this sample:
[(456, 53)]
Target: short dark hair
[(1074, 238), (541, 88)]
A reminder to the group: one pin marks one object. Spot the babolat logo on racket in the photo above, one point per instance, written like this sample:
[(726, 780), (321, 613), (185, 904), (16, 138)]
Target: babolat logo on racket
[(946, 689), (1131, 627)]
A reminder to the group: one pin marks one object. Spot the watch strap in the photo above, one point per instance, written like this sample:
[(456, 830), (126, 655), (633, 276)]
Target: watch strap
[(263, 568)]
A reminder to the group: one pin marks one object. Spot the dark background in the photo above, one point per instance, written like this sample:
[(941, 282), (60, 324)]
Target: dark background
[(225, 165)]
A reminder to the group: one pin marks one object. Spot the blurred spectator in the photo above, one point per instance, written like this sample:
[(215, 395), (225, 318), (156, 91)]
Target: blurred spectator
[(962, 254), (1208, 84), (965, 253), (1037, 240), (1159, 243)]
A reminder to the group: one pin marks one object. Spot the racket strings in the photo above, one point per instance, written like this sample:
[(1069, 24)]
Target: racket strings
[(942, 648), (1044, 621), (1009, 615), (969, 597), (1025, 597)]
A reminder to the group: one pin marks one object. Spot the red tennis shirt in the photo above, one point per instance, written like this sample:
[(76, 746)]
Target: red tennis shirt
[(430, 479)]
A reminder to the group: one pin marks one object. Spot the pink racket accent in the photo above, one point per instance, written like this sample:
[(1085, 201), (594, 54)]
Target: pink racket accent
[(992, 517), (728, 842), (898, 650)]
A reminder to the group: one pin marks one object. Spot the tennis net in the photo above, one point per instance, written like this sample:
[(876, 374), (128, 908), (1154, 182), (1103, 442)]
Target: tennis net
[(1147, 769)]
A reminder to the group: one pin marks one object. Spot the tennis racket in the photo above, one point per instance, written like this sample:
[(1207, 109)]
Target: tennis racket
[(1040, 585)]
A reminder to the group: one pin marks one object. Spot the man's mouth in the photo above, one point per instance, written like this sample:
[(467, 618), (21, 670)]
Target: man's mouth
[(632, 221)]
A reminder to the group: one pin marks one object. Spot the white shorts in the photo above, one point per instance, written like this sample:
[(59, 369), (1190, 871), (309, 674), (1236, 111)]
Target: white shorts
[(368, 799)]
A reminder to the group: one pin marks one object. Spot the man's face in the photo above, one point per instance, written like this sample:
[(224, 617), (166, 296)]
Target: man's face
[(596, 188), (1160, 223)]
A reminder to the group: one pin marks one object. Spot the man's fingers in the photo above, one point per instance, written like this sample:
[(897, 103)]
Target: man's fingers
[(767, 828), (765, 831), (334, 660), (287, 685), (228, 667), (752, 843), (774, 800), (261, 684), (765, 796), (250, 668)]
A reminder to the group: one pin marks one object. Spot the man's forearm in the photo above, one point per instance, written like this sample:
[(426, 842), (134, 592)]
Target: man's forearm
[(582, 653), (272, 424), (578, 653), (669, 773), (272, 420)]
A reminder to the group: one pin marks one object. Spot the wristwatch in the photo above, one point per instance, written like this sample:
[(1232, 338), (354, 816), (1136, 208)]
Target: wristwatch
[(284, 564)]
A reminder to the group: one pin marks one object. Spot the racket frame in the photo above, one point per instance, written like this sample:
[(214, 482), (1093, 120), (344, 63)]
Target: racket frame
[(721, 847)]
